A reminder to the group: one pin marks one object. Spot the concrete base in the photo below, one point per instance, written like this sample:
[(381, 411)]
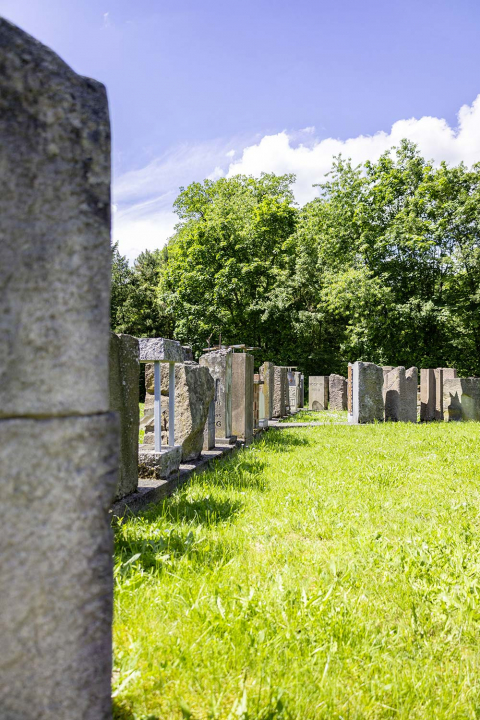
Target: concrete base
[(226, 441), (158, 465)]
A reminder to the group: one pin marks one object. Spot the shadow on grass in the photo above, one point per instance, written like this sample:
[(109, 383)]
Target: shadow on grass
[(284, 440), (242, 472)]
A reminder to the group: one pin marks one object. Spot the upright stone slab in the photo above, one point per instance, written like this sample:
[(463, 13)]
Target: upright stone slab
[(461, 399), (367, 387), (58, 442), (209, 432), (124, 398), (337, 393), (279, 399), (256, 400), (302, 391), (242, 396), (292, 390), (219, 363), (267, 374), (427, 395), (441, 374), (409, 407), (400, 394), (318, 392)]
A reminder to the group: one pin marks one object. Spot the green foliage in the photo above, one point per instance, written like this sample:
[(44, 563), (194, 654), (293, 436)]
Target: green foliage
[(383, 266), (323, 573), (135, 306)]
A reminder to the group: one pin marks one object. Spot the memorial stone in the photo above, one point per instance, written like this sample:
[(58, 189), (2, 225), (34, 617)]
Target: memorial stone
[(124, 398), (279, 400), (367, 387), (427, 395), (58, 441), (337, 393), (302, 391), (400, 395), (461, 399), (409, 408), (441, 374), (242, 396), (267, 374), (209, 432), (219, 363), (318, 392)]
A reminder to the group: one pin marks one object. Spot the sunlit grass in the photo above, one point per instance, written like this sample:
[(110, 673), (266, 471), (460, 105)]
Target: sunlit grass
[(329, 572)]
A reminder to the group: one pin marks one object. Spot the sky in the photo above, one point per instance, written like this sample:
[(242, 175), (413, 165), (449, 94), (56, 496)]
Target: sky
[(211, 88)]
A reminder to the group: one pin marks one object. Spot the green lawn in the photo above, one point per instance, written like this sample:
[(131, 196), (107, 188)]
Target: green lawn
[(329, 572), (323, 416)]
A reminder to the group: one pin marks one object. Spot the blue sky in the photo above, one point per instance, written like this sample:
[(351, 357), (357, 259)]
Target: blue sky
[(203, 88)]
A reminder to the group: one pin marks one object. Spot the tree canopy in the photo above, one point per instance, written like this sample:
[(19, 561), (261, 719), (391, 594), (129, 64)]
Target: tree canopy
[(383, 266)]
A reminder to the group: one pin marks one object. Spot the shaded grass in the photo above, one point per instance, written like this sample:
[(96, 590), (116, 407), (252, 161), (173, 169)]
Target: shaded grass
[(141, 433), (323, 416), (325, 572)]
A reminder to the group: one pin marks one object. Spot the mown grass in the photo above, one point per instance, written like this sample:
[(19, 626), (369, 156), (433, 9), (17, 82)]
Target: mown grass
[(328, 572), (323, 416)]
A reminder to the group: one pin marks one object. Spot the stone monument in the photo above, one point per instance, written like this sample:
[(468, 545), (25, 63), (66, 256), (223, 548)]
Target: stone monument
[(267, 374), (367, 393), (279, 399), (124, 397), (318, 392), (59, 443), (219, 363), (337, 392), (428, 399), (242, 396), (461, 399)]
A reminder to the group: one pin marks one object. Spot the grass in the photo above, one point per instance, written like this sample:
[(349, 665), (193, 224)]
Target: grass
[(141, 433), (329, 572), (323, 416)]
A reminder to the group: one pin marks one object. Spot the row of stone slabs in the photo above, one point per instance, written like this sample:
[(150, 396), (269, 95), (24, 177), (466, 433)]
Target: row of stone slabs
[(377, 393), (222, 385)]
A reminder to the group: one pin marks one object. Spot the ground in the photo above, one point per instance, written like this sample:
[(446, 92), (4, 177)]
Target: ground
[(326, 572)]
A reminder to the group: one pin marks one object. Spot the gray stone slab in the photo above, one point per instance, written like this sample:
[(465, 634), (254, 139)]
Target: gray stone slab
[(209, 431), (160, 350), (159, 465), (219, 363), (56, 580), (242, 396), (461, 399), (286, 392), (337, 393), (409, 407), (194, 391), (428, 400), (55, 233), (367, 390), (267, 374), (318, 392), (124, 398), (279, 384)]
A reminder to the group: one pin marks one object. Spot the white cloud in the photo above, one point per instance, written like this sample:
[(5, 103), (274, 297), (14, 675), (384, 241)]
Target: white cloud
[(435, 138), (143, 198)]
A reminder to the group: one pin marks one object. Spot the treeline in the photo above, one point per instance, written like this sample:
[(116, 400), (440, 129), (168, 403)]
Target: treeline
[(383, 266)]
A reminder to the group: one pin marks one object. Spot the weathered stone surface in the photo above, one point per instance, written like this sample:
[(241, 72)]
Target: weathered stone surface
[(279, 383), (409, 408), (124, 398), (367, 386), (400, 394), (194, 390), (156, 465), (302, 391), (56, 581), (55, 233), (427, 395), (318, 392), (59, 460), (242, 396), (286, 392), (441, 374), (209, 432), (461, 399), (267, 374), (337, 392), (219, 363), (161, 350), (387, 369)]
